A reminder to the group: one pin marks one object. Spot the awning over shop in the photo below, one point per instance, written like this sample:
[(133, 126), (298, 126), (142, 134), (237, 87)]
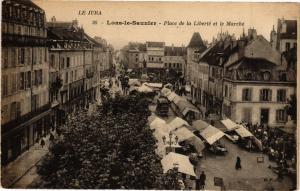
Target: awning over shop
[(183, 134), (211, 134), (199, 125), (185, 107), (178, 122), (177, 99), (182, 162), (134, 82), (157, 122), (243, 132), (171, 96), (229, 125), (154, 85), (165, 92), (145, 89)]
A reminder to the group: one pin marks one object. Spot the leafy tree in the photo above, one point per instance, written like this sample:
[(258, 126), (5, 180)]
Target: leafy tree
[(292, 107), (111, 149)]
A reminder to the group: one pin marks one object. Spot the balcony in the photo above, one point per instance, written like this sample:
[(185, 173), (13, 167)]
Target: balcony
[(12, 39), (24, 118)]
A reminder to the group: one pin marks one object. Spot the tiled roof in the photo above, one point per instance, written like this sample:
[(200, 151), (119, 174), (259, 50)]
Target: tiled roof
[(174, 51), (66, 25), (155, 44), (291, 30), (27, 3), (196, 41), (65, 34)]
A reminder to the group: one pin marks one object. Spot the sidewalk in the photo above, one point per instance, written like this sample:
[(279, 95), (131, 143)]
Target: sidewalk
[(18, 169)]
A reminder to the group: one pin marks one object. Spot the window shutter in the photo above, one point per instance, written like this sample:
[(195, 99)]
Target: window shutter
[(277, 115), (270, 95), (250, 94), (18, 110)]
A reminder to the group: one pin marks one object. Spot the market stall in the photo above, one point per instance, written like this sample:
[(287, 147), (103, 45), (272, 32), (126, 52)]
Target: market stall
[(165, 92), (247, 139), (181, 162), (199, 125), (212, 135), (187, 110), (178, 122), (171, 96)]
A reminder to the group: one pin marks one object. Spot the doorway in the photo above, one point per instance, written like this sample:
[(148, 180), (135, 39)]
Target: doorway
[(264, 116)]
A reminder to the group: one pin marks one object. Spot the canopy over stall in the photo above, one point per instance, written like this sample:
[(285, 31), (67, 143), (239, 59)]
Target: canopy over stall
[(229, 124), (154, 85), (134, 82), (157, 122), (171, 96), (165, 92), (177, 99), (182, 162), (211, 134), (243, 132), (145, 89), (184, 134), (199, 125), (178, 122), (185, 107)]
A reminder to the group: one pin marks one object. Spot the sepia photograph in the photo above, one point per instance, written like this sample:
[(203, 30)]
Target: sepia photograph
[(136, 95)]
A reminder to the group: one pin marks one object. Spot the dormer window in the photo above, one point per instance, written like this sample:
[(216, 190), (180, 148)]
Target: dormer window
[(266, 76)]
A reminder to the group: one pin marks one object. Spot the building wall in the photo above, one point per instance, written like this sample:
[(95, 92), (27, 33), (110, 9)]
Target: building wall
[(283, 42), (234, 98), (175, 62)]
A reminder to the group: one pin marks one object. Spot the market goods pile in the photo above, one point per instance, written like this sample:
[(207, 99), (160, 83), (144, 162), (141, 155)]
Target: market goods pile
[(111, 149)]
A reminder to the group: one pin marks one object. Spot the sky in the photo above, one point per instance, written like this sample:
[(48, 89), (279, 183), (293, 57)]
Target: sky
[(261, 16)]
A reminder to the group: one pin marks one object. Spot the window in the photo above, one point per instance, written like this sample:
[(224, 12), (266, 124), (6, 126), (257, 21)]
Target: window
[(22, 81), (174, 65), (68, 62), (166, 65), (265, 95), (281, 95), (34, 102), (281, 115), (4, 82), (4, 57), (226, 91), (266, 75), (22, 56), (295, 45), (170, 65), (136, 59), (45, 54), (13, 83), (28, 80), (247, 94), (287, 46), (67, 77), (177, 65)]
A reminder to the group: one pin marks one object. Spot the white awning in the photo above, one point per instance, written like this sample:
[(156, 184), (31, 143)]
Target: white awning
[(230, 125), (181, 161), (153, 85), (178, 122), (183, 134), (243, 132), (145, 89), (200, 125), (171, 96), (157, 122), (177, 99), (134, 82), (211, 134), (166, 91)]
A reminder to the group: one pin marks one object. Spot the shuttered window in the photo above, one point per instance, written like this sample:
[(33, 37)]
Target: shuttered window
[(281, 95), (247, 94), (281, 115), (265, 95)]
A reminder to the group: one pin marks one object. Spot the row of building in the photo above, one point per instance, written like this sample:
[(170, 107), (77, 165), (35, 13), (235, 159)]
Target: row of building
[(248, 79), (156, 55), (49, 69)]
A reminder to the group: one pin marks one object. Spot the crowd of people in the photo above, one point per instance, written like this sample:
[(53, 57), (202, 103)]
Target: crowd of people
[(280, 146)]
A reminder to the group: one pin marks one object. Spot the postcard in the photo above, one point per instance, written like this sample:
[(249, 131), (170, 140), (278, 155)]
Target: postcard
[(149, 95)]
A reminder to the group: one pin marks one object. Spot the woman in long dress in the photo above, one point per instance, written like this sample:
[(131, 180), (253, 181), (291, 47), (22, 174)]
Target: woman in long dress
[(238, 163)]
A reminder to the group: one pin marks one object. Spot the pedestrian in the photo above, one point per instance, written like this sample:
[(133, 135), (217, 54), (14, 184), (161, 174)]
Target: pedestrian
[(202, 180), (42, 142), (51, 137), (238, 163)]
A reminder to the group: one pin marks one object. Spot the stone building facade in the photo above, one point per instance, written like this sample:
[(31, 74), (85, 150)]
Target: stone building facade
[(25, 105)]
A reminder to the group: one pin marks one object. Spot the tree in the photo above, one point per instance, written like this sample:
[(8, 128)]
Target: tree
[(292, 107), (111, 149)]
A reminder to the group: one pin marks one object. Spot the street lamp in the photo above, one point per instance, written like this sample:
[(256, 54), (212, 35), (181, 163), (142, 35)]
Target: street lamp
[(170, 142)]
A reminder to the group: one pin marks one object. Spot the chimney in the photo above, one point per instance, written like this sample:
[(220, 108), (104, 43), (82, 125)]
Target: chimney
[(75, 22), (53, 19), (252, 33)]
